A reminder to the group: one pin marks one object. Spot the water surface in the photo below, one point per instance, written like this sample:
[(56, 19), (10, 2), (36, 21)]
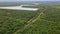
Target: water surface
[(18, 8)]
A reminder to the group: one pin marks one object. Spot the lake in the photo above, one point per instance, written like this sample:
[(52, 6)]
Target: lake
[(19, 8)]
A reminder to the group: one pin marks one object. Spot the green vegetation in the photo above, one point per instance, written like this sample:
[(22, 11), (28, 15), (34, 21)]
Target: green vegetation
[(48, 23), (11, 20), (30, 6), (57, 7), (44, 21)]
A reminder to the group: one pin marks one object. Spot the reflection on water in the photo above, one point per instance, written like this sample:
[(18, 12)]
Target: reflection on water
[(19, 8)]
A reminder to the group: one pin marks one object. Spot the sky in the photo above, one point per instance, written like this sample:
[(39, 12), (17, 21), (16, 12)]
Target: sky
[(25, 0)]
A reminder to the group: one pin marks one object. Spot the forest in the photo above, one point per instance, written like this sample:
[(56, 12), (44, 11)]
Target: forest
[(46, 20)]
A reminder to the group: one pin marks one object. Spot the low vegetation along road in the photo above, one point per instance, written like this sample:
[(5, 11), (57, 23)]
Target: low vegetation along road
[(30, 22)]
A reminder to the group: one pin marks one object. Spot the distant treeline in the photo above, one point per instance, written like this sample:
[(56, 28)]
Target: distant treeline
[(9, 4)]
